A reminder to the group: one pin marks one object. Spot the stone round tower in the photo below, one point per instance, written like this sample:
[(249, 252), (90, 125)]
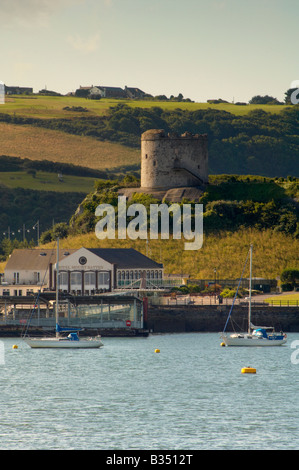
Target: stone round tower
[(173, 161)]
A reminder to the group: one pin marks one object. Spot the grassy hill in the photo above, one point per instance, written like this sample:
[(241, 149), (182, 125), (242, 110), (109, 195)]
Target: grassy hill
[(46, 181), (269, 215), (251, 139), (273, 252), (54, 106), (38, 143), (105, 135), (237, 211)]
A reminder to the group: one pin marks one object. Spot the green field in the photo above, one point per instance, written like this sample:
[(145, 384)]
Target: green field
[(44, 181), (37, 143), (285, 300), (52, 106)]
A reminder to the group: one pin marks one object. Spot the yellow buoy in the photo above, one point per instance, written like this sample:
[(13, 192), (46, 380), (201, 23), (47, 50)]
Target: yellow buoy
[(15, 346), (222, 344), (157, 350), (248, 370)]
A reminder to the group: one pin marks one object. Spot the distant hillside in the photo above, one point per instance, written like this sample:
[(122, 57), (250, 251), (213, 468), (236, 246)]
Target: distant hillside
[(105, 138), (66, 107), (238, 210), (253, 141), (26, 207), (38, 143)]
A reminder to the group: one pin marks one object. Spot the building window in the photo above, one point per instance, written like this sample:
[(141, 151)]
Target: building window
[(76, 279), (103, 279), (16, 278), (63, 279), (90, 279)]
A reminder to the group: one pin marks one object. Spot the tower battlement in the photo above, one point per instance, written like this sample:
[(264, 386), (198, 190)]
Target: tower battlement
[(172, 160)]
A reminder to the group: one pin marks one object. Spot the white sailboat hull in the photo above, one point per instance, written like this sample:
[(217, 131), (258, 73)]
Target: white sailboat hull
[(63, 343), (249, 341)]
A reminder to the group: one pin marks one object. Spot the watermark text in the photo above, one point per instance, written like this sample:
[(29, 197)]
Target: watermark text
[(133, 222)]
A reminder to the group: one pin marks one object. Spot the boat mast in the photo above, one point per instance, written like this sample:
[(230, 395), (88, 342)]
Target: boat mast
[(249, 307), (57, 287)]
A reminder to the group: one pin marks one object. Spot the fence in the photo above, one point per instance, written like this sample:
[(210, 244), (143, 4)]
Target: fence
[(214, 300)]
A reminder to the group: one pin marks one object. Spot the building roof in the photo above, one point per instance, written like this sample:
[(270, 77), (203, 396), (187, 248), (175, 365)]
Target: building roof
[(114, 88), (134, 90), (126, 258), (31, 259), (39, 259)]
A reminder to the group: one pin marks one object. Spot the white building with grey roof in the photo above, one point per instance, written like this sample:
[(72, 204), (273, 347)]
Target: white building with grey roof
[(85, 271)]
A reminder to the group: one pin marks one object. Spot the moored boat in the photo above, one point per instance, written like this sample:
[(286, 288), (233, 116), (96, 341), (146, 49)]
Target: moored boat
[(72, 340), (256, 336)]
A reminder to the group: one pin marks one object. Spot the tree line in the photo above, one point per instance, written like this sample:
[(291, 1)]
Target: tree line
[(229, 202), (21, 209), (259, 142)]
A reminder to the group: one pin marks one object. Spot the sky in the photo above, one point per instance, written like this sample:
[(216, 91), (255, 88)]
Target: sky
[(204, 49)]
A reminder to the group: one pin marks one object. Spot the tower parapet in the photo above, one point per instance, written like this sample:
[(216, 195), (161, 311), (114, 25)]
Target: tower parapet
[(172, 160)]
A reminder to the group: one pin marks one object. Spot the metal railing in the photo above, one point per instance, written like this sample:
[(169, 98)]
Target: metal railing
[(212, 300)]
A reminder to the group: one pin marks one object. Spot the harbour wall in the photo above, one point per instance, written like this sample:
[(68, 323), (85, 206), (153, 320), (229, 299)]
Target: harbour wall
[(212, 318), (187, 318)]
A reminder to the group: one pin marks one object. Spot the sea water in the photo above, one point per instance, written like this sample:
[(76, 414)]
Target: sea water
[(126, 396)]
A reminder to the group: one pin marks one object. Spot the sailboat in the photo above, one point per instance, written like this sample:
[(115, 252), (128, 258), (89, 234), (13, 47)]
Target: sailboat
[(72, 340), (256, 335)]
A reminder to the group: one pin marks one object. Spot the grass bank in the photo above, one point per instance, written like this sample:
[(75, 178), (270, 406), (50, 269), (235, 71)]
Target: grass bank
[(44, 181), (273, 252), (284, 300), (54, 106)]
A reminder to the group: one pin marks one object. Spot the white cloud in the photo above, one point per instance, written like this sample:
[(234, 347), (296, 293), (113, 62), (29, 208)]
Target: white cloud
[(31, 12), (86, 45)]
